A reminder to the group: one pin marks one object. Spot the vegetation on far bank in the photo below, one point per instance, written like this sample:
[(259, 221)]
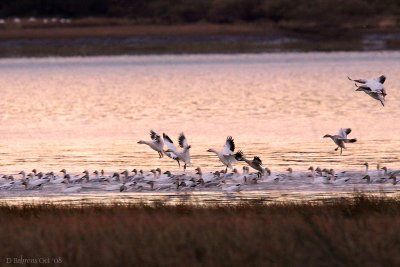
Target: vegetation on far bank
[(344, 232), (296, 15)]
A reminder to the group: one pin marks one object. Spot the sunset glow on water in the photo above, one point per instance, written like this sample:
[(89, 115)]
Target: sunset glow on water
[(88, 113)]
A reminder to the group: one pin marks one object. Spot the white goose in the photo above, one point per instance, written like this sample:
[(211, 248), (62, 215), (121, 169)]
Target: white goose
[(205, 178), (372, 87), (341, 138), (226, 156), (182, 154), (377, 172), (320, 179), (113, 187), (70, 189), (232, 188), (156, 143), (8, 185), (33, 184), (54, 179)]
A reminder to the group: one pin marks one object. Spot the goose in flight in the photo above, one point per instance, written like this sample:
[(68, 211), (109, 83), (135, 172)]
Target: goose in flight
[(227, 155), (156, 143), (182, 154), (255, 163), (341, 138), (372, 87)]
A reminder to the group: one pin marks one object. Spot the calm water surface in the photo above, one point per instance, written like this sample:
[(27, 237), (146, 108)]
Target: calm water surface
[(89, 113)]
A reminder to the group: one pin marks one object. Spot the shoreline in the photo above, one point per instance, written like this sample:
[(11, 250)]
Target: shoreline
[(99, 40)]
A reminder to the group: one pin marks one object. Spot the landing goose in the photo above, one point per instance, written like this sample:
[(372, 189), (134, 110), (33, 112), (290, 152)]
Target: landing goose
[(341, 138), (372, 87), (183, 154), (156, 143), (255, 163), (227, 155)]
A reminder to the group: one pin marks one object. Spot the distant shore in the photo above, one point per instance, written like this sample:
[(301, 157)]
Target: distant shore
[(94, 37)]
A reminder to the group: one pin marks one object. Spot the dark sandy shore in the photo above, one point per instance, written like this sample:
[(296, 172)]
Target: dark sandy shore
[(80, 39)]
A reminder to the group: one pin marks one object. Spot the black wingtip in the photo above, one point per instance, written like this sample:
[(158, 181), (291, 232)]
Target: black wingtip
[(231, 143), (382, 79), (167, 138), (239, 155)]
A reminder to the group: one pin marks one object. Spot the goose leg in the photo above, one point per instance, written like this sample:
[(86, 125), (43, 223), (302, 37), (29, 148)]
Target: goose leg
[(341, 151), (336, 148), (179, 164), (184, 167)]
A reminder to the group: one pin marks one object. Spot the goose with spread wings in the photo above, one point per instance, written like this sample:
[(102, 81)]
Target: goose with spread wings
[(156, 143), (341, 138), (255, 163), (168, 152), (183, 154), (227, 155), (372, 87)]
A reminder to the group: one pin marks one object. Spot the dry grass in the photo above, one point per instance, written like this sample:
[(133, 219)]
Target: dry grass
[(363, 232)]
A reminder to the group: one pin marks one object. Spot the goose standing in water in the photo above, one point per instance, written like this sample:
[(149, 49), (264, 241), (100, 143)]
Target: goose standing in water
[(394, 179), (372, 87), (389, 173), (182, 154), (112, 187), (156, 143), (370, 180), (232, 188), (377, 172), (70, 189), (33, 184), (227, 155), (341, 138), (8, 185), (255, 163)]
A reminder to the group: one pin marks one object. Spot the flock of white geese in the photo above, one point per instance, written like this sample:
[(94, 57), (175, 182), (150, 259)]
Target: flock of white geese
[(223, 180)]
